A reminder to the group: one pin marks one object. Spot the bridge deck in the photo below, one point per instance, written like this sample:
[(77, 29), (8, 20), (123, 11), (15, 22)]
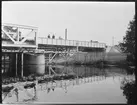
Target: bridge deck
[(14, 36), (62, 42)]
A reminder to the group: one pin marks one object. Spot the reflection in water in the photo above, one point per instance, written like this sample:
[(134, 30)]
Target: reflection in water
[(34, 69), (89, 85)]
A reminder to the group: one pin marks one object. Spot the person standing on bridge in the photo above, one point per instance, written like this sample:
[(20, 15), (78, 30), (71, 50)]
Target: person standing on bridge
[(49, 36), (53, 37)]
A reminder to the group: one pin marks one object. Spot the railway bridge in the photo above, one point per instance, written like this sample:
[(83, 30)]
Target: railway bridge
[(20, 36), (20, 39)]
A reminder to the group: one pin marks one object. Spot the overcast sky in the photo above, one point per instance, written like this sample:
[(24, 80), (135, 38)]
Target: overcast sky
[(84, 21)]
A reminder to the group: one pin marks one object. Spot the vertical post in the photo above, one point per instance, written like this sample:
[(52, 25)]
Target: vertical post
[(22, 64), (36, 39), (16, 63), (47, 40), (66, 34), (77, 46), (49, 71), (56, 41), (35, 92), (9, 62), (4, 63), (17, 94), (49, 57), (18, 34)]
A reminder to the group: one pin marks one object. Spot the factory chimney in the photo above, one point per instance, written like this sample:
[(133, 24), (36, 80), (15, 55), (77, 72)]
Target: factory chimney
[(66, 34)]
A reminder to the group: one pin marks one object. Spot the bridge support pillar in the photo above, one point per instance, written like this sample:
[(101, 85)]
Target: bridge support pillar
[(77, 48), (16, 64), (22, 64)]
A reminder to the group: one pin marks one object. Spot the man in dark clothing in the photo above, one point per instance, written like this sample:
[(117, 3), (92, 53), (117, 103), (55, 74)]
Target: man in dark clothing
[(48, 36), (53, 37)]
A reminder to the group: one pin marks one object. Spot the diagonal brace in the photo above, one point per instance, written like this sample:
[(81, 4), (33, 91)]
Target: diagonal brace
[(53, 56), (26, 37), (9, 36)]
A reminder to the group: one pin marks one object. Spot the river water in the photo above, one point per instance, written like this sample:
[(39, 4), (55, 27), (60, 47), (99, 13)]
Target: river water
[(92, 85)]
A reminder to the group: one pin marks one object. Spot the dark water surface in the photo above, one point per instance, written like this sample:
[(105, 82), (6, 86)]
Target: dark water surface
[(92, 85)]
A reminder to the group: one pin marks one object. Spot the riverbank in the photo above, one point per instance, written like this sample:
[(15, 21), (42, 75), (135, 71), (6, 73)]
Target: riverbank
[(97, 59)]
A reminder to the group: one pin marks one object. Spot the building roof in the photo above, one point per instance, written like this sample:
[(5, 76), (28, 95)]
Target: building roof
[(113, 49)]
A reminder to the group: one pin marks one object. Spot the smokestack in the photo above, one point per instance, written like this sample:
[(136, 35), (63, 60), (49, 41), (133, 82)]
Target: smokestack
[(66, 34)]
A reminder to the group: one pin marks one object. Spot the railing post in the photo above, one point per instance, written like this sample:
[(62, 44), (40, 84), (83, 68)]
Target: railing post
[(42, 40), (56, 41), (77, 46), (47, 41), (17, 34)]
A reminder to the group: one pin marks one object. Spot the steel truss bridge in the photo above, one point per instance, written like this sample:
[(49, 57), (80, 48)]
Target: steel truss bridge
[(25, 38)]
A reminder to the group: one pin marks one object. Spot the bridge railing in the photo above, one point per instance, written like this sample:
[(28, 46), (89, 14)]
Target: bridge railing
[(62, 42)]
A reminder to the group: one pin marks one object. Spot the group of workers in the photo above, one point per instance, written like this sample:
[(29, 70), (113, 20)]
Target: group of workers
[(53, 36)]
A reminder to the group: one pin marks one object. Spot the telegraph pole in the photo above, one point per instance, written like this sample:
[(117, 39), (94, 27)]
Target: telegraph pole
[(113, 41)]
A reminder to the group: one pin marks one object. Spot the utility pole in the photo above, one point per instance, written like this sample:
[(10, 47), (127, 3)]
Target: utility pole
[(66, 34), (113, 41)]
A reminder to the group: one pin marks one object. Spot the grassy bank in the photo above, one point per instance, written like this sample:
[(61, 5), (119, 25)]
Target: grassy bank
[(92, 58), (81, 58)]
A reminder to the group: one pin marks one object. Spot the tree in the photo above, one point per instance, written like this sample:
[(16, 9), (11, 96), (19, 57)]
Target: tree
[(128, 44)]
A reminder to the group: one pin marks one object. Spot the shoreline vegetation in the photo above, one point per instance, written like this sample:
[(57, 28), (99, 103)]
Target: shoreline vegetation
[(46, 78), (97, 59)]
